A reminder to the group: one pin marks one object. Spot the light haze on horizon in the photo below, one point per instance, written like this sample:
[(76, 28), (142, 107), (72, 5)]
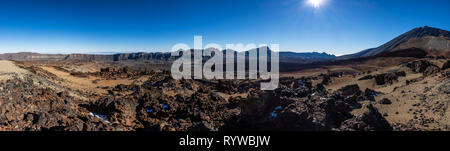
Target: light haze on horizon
[(101, 26)]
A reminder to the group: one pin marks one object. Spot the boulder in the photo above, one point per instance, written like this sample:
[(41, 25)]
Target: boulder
[(431, 70), (370, 120), (370, 94), (446, 74), (446, 65), (326, 80), (423, 66), (445, 88), (385, 101), (388, 78), (294, 85), (367, 77), (350, 90)]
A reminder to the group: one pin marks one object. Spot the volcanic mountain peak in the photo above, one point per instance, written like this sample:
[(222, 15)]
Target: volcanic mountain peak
[(427, 31), (427, 38)]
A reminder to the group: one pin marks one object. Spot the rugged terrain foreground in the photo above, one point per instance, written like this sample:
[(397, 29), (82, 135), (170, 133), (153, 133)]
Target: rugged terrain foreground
[(73, 95)]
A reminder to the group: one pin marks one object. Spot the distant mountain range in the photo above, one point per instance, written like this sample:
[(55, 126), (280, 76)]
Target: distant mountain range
[(307, 55), (418, 42), (28, 56)]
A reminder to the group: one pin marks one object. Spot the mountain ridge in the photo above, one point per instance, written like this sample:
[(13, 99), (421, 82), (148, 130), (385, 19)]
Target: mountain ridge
[(427, 38), (432, 41), (163, 56)]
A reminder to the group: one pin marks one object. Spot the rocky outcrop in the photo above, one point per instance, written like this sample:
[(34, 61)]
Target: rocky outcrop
[(370, 120), (445, 88), (423, 66), (317, 112), (367, 77), (370, 94), (388, 78), (446, 65), (26, 107), (419, 66), (385, 101), (431, 70)]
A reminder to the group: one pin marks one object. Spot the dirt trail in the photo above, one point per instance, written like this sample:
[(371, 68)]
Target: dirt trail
[(8, 70)]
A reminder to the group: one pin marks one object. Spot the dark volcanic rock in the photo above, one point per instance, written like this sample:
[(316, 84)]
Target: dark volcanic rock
[(164, 104), (445, 88), (446, 74), (265, 110), (371, 120), (326, 80), (446, 65), (431, 70), (367, 77), (117, 111), (27, 107), (350, 94), (350, 90), (385, 101), (388, 78), (294, 85), (370, 94), (420, 66)]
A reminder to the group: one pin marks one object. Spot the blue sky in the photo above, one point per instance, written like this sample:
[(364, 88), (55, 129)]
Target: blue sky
[(90, 26)]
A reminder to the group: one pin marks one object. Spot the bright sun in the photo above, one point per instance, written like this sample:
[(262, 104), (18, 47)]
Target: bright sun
[(315, 3)]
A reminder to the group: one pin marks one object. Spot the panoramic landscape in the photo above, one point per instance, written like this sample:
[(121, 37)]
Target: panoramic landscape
[(401, 84)]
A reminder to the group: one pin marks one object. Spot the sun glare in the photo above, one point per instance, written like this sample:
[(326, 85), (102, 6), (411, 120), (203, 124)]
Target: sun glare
[(315, 3)]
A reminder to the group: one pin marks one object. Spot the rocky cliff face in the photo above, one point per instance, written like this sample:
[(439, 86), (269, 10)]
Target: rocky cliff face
[(31, 56), (120, 57), (291, 57), (26, 56)]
